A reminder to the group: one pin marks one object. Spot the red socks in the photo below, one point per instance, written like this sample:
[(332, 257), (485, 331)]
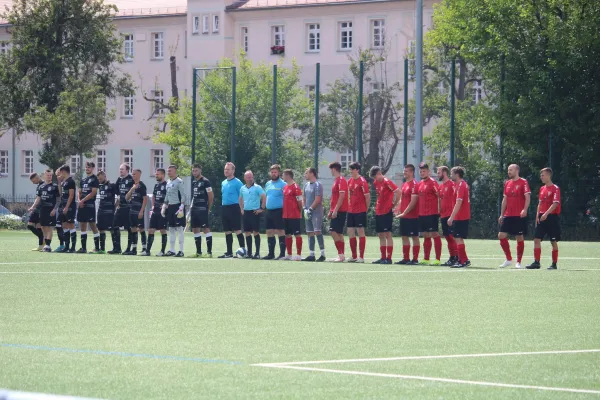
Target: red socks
[(462, 253), (383, 251), (554, 256), (298, 245), (520, 250), (506, 248), (426, 248), (416, 250), (362, 243), (353, 247), (452, 249), (390, 250), (437, 244), (406, 252), (537, 254), (340, 246), (288, 245)]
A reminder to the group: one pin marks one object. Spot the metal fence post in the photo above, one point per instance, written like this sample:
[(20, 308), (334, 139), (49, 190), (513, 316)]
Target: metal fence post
[(317, 95), (233, 107), (405, 111), (359, 117), (274, 111), (452, 110)]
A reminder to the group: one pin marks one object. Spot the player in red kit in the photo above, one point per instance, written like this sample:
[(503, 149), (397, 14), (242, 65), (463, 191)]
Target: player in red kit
[(292, 214), (408, 212), (388, 195), (547, 221), (447, 201), (513, 216), (429, 214), (338, 209), (360, 199), (460, 216)]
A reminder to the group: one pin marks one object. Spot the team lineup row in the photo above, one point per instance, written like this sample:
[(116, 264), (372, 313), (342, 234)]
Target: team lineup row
[(419, 205)]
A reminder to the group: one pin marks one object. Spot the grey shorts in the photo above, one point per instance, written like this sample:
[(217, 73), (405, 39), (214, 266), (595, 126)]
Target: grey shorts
[(315, 223)]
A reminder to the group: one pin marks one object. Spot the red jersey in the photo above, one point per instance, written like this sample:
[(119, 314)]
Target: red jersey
[(548, 196), (291, 193), (385, 196), (462, 193), (358, 188), (447, 196), (408, 190), (428, 197), (515, 192), (339, 188)]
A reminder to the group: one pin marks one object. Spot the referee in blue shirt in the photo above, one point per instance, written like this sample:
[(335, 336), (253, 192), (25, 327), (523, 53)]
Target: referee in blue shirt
[(274, 219), (230, 210), (252, 204)]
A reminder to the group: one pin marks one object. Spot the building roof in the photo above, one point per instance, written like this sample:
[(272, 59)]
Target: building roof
[(246, 5)]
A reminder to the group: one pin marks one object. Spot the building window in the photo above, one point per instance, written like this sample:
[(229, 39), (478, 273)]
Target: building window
[(158, 159), (378, 33), (4, 47), (412, 65), (476, 91), (3, 162), (157, 108), (128, 46), (128, 106), (101, 160), (245, 38), (195, 25), (27, 162), (278, 35), (314, 37), (346, 160), (310, 91), (205, 24), (215, 19), (377, 87), (127, 157), (345, 35), (158, 45), (75, 164)]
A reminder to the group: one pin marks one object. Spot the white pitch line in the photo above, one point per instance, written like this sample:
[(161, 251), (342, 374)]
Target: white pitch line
[(434, 379), (113, 261), (359, 360)]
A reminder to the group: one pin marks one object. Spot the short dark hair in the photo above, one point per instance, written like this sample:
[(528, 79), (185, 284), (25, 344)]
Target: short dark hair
[(423, 165), (173, 166), (548, 170), (289, 172), (410, 166), (160, 170), (32, 176), (90, 164), (275, 166), (127, 167), (65, 168), (375, 169), (313, 171), (335, 165), (101, 172), (197, 166), (49, 170), (460, 171), (354, 165), (445, 169)]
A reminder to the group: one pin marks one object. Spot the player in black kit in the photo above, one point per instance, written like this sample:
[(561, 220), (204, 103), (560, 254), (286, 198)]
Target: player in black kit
[(137, 198), (34, 216), (123, 185), (48, 199), (202, 200), (86, 213), (68, 209), (157, 221), (106, 209)]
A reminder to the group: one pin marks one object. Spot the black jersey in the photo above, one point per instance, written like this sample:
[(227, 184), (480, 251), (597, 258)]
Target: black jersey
[(137, 198), (67, 185), (48, 193), (86, 185), (123, 186), (106, 194), (200, 189), (37, 191), (160, 191)]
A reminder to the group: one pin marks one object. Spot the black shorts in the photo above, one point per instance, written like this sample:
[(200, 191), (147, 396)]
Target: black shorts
[(357, 220), (199, 219), (275, 219), (251, 221), (87, 214), (157, 221), (57, 219), (122, 218), (384, 223), (337, 224), (231, 218), (69, 217), (409, 227), (173, 221), (550, 227), (429, 223), (45, 218), (291, 226), (105, 220), (34, 217), (460, 229), (446, 230), (514, 226), (136, 222)]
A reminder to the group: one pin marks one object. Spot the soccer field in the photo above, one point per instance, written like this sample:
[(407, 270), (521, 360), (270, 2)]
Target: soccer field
[(120, 327)]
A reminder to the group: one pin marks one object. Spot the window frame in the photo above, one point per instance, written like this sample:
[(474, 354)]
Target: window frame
[(244, 38), (75, 164), (4, 168), (279, 35), (195, 24), (127, 156), (131, 107), (377, 24), (349, 159), (128, 55), (476, 92), (155, 108), (28, 158), (155, 40), (313, 28), (205, 24), (216, 23), (349, 31), (101, 160), (154, 166), (5, 46)]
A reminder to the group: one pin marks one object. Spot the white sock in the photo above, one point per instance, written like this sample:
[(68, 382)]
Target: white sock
[(312, 253), (75, 231), (197, 234), (181, 236), (323, 252), (97, 234), (172, 238)]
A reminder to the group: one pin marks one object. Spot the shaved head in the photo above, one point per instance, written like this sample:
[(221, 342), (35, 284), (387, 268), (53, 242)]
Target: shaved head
[(249, 177)]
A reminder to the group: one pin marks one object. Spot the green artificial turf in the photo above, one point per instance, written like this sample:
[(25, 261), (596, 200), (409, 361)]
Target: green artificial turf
[(122, 327)]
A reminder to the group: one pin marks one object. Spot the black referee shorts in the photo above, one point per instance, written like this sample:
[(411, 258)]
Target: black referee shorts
[(231, 218), (274, 219), (514, 226), (251, 221), (550, 227)]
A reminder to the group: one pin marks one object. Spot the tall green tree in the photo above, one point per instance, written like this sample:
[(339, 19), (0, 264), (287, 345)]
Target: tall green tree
[(53, 44)]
